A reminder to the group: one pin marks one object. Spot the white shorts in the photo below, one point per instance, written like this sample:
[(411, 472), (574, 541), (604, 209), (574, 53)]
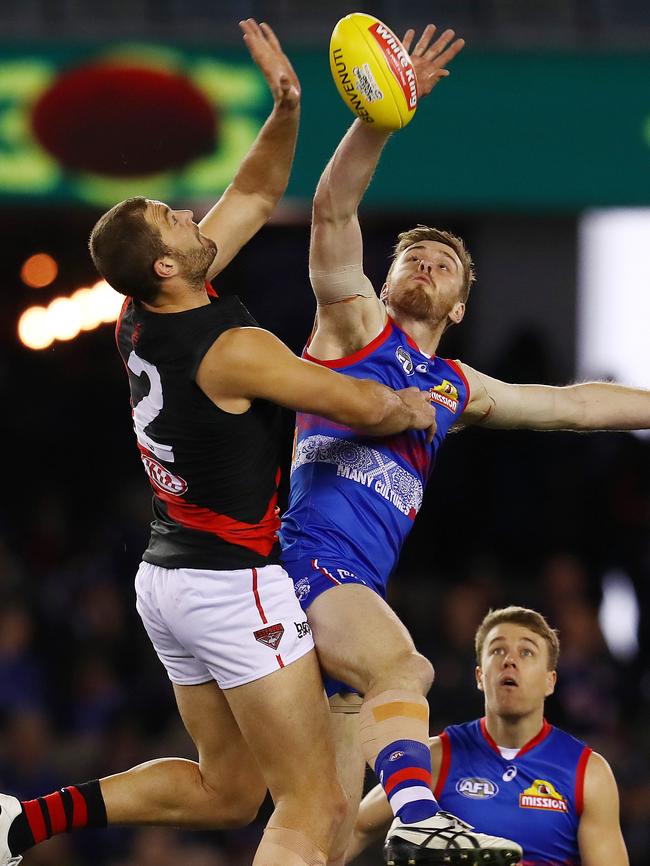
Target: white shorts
[(230, 626)]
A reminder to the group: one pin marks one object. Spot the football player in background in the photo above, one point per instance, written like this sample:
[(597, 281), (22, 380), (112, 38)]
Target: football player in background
[(512, 771)]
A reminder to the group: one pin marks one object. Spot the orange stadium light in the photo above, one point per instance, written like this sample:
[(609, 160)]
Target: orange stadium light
[(66, 317), (39, 271)]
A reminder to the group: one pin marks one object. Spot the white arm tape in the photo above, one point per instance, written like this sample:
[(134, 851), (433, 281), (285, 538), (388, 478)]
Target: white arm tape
[(332, 286)]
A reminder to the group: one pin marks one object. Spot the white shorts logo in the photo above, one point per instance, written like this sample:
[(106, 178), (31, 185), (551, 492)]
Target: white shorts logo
[(270, 636)]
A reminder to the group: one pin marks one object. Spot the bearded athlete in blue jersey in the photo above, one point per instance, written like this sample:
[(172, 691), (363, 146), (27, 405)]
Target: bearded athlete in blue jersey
[(353, 501), (512, 769)]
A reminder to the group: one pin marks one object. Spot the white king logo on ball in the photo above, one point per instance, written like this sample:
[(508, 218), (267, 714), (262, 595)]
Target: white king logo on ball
[(399, 60), (373, 72)]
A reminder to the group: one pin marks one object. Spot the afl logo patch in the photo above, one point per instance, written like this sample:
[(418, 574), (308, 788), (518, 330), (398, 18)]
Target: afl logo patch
[(477, 789), (162, 478), (396, 756), (405, 360)]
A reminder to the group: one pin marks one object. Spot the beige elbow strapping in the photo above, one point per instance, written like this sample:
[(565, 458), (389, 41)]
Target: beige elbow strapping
[(341, 284)]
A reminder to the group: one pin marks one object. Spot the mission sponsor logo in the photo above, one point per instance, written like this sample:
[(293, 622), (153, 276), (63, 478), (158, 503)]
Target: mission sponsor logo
[(542, 795), (476, 788), (162, 478), (445, 394), (270, 636)]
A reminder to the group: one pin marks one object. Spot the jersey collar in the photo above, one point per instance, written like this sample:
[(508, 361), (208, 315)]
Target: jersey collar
[(411, 341), (541, 735)]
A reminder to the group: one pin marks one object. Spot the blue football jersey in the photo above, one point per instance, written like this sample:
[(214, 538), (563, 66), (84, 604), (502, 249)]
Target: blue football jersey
[(353, 498), (535, 798)]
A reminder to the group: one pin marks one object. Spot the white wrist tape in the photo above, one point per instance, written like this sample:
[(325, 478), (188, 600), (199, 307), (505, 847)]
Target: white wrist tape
[(332, 286)]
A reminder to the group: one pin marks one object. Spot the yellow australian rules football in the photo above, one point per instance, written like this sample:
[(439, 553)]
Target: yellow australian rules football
[(373, 72)]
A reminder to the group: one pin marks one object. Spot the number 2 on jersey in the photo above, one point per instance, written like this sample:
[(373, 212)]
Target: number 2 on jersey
[(149, 407)]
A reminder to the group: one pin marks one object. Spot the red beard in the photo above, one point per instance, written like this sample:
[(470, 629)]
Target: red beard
[(413, 302)]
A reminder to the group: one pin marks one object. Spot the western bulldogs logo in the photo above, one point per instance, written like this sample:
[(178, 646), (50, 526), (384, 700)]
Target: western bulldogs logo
[(302, 588)]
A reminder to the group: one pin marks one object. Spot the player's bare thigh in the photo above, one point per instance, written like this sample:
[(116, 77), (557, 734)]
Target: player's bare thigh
[(285, 719), (225, 789), (361, 641), (223, 751)]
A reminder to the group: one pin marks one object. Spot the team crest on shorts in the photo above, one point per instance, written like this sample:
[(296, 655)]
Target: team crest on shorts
[(302, 588), (542, 795), (270, 636)]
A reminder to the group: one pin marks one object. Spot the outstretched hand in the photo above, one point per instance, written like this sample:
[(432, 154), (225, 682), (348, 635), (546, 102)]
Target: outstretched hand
[(266, 51), (430, 60)]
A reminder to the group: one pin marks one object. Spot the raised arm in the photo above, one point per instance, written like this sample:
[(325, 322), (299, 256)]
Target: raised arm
[(349, 312), (248, 363), (582, 407), (600, 840), (262, 177)]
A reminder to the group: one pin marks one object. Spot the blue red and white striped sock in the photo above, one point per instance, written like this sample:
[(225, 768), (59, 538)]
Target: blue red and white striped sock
[(404, 770)]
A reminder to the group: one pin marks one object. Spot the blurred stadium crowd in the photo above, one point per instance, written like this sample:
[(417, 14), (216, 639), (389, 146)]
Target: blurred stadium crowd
[(620, 23)]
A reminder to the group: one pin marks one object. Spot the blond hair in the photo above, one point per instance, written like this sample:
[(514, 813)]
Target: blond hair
[(427, 233), (525, 617)]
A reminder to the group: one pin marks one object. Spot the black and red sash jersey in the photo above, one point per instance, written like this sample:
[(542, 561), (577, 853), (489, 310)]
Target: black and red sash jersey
[(214, 474)]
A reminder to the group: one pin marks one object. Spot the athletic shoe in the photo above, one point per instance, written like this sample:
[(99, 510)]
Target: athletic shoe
[(444, 839), (9, 808)]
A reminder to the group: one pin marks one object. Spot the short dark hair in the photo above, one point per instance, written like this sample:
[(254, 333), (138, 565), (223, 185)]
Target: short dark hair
[(124, 248), (427, 233), (525, 617)]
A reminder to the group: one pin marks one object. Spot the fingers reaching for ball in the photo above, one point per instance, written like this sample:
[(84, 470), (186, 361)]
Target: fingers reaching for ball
[(265, 49), (430, 59)]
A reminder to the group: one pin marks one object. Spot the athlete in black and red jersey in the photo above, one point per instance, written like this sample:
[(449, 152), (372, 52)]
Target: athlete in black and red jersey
[(221, 613)]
